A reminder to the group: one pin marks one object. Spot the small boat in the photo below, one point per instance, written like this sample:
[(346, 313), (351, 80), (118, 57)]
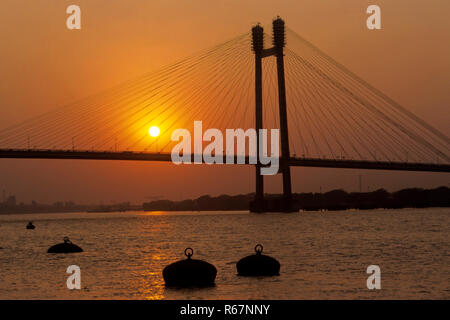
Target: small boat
[(30, 226)]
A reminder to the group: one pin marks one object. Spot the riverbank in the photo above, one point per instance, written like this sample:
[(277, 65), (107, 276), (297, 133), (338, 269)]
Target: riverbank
[(332, 200)]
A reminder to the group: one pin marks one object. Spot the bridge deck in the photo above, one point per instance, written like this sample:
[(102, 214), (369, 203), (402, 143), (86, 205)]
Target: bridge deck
[(166, 157)]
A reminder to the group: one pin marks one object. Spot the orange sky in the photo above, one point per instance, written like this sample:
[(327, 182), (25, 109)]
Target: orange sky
[(44, 65)]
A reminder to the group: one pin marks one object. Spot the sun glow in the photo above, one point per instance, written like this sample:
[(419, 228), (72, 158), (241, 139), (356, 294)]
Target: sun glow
[(154, 131)]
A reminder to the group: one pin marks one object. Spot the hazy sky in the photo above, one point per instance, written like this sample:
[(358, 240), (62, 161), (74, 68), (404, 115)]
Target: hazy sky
[(43, 65)]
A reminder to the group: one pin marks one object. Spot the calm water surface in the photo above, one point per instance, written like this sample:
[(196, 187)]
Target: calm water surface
[(322, 255)]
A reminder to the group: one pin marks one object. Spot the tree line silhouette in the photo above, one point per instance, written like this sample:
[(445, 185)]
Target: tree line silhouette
[(332, 200)]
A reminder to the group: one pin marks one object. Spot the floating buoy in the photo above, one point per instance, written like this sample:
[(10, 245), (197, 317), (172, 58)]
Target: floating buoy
[(66, 247), (30, 225), (258, 265), (189, 272)]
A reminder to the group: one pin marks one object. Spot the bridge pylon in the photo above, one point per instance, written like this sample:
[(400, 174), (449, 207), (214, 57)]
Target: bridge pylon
[(260, 204)]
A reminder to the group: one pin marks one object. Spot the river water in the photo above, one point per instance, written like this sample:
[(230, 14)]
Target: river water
[(322, 255)]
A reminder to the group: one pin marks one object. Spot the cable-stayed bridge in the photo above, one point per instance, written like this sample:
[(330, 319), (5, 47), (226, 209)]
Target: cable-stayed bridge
[(327, 116)]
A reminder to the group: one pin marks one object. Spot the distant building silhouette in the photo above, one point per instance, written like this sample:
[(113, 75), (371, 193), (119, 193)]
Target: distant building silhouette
[(11, 201)]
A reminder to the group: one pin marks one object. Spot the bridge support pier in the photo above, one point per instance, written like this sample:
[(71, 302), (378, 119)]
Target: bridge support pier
[(279, 43), (286, 203), (258, 46)]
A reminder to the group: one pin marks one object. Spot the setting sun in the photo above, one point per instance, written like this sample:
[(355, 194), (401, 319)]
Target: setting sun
[(154, 131)]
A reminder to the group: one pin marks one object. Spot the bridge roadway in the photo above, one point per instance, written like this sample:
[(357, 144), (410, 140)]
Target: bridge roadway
[(166, 157)]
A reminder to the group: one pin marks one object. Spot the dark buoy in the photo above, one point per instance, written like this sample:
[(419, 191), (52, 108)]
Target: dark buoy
[(189, 272), (30, 225), (258, 265), (66, 247)]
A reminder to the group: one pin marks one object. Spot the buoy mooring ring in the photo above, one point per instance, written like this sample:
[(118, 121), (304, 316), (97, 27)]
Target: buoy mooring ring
[(66, 247), (189, 272), (258, 265)]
